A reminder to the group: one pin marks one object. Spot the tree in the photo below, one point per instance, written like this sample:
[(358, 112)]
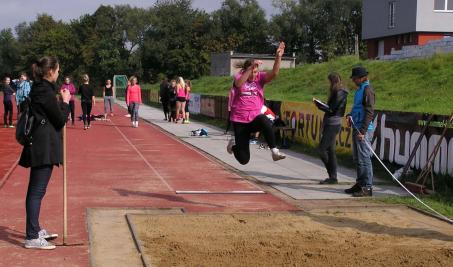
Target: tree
[(318, 30), (242, 26), (9, 53), (171, 44)]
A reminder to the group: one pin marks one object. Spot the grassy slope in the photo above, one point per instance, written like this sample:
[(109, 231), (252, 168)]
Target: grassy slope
[(421, 85)]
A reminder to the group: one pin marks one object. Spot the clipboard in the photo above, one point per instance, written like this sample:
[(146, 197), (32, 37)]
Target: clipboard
[(321, 104)]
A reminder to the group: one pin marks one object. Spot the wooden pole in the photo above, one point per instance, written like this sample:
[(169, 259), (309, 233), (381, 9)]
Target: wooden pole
[(65, 190)]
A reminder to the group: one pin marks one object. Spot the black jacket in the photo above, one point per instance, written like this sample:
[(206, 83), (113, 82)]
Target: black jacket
[(337, 107), (51, 115)]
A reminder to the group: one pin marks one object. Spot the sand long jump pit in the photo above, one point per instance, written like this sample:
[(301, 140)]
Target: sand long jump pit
[(395, 236)]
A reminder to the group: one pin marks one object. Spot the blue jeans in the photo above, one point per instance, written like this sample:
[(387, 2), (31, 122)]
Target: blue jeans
[(362, 157), (37, 186), (134, 111), (108, 102)]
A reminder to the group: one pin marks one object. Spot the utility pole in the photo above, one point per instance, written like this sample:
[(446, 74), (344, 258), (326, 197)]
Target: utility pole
[(356, 47)]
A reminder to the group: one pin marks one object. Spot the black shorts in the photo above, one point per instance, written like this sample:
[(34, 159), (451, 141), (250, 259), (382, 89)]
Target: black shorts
[(181, 99)]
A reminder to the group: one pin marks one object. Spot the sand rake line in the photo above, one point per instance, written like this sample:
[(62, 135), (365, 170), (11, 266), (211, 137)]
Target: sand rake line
[(394, 178)]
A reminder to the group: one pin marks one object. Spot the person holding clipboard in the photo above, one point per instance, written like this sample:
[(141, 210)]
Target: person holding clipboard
[(334, 112)]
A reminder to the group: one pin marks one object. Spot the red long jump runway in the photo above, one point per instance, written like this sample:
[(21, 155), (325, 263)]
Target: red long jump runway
[(9, 152), (115, 165)]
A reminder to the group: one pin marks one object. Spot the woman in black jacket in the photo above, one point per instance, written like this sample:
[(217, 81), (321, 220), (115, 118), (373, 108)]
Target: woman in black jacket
[(45, 151), (334, 111)]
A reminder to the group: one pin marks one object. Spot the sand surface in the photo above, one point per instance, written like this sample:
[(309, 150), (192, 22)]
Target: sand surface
[(373, 237)]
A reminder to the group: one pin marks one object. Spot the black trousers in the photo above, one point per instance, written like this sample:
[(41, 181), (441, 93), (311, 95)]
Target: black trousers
[(165, 107), (242, 133), (326, 149), (86, 109), (72, 109), (8, 114), (37, 187)]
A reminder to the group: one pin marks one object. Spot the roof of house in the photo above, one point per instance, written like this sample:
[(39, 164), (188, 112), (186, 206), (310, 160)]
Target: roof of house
[(231, 54)]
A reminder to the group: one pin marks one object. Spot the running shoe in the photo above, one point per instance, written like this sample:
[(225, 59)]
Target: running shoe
[(11, 126), (353, 189), (39, 243), (329, 181), (276, 156), (364, 192), (230, 146), (46, 235), (127, 115)]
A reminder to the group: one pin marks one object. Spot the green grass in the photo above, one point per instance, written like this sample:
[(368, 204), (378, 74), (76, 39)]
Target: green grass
[(439, 203), (420, 85)]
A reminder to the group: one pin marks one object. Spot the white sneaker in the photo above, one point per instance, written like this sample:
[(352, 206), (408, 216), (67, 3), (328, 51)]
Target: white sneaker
[(46, 235), (127, 115), (133, 124), (39, 243), (230, 145), (136, 124), (277, 155)]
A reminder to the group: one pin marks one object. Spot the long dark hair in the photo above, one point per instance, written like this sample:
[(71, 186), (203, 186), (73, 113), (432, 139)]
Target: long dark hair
[(335, 83), (245, 64), (42, 67)]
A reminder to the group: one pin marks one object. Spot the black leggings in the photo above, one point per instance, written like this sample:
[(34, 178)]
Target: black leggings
[(86, 109), (37, 187), (327, 149), (8, 114), (72, 109), (242, 133)]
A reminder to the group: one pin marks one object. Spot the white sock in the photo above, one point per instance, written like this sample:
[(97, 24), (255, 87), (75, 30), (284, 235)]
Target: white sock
[(275, 150)]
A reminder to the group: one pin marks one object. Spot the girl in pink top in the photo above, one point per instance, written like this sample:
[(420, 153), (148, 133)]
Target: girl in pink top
[(180, 99), (246, 104), (68, 85), (134, 99)]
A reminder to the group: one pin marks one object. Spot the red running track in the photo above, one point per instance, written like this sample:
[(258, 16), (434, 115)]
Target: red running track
[(9, 148), (115, 165)]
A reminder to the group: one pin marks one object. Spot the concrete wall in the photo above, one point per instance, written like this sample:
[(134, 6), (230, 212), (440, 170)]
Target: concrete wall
[(375, 22), (429, 20), (268, 64), (220, 64), (419, 51)]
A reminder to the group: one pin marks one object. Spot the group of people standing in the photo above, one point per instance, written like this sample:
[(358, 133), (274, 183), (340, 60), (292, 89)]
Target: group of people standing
[(175, 99), (17, 90), (87, 98)]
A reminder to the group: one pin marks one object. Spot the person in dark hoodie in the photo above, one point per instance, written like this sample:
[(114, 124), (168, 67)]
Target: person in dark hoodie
[(163, 94), (46, 151), (334, 112), (8, 94)]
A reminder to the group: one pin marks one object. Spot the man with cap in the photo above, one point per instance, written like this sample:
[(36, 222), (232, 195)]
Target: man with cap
[(361, 121)]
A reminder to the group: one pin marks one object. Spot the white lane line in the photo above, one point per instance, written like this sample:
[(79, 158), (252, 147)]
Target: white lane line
[(219, 192), (144, 159)]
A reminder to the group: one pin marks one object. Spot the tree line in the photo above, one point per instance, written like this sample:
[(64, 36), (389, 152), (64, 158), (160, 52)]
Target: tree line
[(172, 38)]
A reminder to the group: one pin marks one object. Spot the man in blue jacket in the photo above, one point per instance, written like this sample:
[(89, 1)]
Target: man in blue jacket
[(361, 120)]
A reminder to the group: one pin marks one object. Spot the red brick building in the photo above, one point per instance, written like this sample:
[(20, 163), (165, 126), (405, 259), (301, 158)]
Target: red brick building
[(392, 24)]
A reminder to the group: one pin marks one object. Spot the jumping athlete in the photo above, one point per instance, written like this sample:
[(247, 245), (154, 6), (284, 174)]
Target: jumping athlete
[(246, 115)]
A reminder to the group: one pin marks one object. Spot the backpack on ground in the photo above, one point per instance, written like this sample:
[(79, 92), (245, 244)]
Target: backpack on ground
[(24, 127)]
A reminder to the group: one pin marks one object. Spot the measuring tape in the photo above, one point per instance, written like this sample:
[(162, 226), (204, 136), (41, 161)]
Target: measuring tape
[(394, 178)]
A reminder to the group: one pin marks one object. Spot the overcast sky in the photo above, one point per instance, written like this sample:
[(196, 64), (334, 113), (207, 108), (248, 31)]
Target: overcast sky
[(13, 12)]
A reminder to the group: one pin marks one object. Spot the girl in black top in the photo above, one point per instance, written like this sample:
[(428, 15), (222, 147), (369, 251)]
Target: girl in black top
[(46, 149), (334, 111), (109, 98), (88, 101)]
